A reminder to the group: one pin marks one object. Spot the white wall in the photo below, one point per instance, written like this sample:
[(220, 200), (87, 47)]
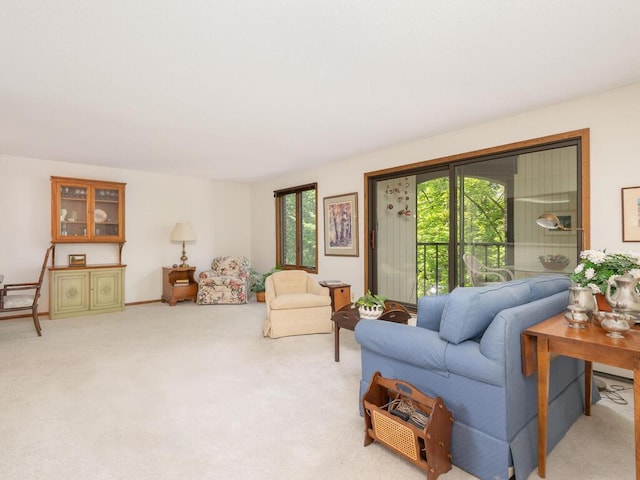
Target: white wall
[(234, 218), (613, 118), (218, 211)]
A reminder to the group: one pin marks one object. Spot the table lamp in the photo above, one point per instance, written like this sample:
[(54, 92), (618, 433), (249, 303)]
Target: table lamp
[(183, 232)]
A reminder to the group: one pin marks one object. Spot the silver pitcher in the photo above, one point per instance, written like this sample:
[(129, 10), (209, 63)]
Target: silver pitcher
[(583, 298), (625, 299)]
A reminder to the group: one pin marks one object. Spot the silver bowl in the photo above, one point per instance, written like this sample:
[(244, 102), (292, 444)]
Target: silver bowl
[(615, 324), (576, 316)]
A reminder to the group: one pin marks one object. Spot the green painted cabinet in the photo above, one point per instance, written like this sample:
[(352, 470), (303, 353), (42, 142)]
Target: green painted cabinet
[(77, 291)]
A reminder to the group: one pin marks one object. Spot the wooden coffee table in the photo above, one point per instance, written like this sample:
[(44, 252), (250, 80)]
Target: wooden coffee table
[(348, 317)]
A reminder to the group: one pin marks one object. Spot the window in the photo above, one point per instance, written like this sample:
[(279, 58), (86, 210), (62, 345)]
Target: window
[(297, 227)]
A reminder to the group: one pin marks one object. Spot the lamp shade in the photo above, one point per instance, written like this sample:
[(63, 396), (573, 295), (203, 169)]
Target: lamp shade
[(183, 232)]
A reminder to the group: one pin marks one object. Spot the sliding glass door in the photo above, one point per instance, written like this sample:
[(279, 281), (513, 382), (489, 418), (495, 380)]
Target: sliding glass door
[(423, 220)]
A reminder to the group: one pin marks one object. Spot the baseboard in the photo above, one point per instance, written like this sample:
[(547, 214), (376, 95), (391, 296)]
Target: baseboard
[(144, 302), (615, 372)]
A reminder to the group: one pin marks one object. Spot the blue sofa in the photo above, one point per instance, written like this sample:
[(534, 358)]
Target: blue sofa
[(466, 348)]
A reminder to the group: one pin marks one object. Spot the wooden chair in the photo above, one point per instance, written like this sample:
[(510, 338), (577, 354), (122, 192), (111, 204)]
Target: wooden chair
[(482, 275), (25, 301)]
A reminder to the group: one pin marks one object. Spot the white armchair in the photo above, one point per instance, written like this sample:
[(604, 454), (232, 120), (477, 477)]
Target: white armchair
[(296, 305), (482, 275)]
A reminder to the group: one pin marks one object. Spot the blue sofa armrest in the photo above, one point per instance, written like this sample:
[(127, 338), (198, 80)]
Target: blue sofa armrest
[(413, 345)]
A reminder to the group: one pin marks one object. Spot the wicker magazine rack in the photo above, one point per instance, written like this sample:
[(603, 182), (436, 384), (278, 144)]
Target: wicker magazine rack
[(410, 423)]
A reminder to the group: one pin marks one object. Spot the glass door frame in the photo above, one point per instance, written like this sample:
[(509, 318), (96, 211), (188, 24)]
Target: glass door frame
[(371, 178)]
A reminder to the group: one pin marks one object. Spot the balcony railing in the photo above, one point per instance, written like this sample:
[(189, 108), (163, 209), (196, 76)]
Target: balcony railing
[(433, 264)]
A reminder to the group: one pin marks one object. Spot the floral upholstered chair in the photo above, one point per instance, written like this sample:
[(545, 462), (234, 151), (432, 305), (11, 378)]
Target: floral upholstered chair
[(226, 283)]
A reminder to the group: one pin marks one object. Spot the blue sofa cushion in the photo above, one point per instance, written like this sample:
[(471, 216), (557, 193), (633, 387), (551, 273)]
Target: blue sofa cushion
[(547, 285), (430, 310), (469, 310)]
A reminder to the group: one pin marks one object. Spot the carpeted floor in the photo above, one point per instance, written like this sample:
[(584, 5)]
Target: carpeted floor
[(196, 392)]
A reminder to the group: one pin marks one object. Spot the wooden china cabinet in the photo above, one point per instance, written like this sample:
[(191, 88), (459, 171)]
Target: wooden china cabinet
[(86, 211)]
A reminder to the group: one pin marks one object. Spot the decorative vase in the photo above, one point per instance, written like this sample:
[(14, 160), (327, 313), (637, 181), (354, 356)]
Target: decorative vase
[(625, 299), (583, 297), (370, 312)]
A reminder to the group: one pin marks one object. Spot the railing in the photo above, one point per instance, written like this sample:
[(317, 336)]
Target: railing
[(433, 264)]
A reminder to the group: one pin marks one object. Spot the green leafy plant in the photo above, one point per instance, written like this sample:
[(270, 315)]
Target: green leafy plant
[(598, 266), (371, 300), (258, 279)]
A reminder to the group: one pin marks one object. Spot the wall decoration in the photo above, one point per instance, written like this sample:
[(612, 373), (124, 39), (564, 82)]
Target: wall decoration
[(631, 214), (399, 194), (341, 225)]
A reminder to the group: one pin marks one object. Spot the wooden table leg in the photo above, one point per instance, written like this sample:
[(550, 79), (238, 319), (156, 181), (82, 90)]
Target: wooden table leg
[(543, 403), (636, 409), (588, 379), (336, 342)]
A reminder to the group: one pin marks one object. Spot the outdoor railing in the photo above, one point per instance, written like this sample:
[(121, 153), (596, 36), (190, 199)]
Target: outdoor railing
[(433, 264)]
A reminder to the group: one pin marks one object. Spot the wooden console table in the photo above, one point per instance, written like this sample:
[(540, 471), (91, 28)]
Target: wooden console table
[(348, 317), (553, 336)]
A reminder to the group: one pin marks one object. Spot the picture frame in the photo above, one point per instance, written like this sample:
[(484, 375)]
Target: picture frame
[(567, 220), (341, 225), (631, 214), (77, 260)]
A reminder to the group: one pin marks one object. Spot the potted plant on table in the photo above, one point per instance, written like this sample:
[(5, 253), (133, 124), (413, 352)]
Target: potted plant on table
[(370, 305), (598, 267)]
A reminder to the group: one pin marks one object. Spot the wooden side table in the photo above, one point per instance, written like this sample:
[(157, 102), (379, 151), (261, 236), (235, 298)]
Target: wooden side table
[(590, 344), (178, 284), (340, 294), (348, 317)]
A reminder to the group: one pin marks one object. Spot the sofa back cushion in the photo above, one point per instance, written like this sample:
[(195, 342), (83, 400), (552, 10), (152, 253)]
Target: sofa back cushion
[(469, 310), (547, 285)]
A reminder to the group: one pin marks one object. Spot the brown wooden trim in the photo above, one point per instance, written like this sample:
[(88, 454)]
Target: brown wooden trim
[(300, 188), (86, 267), (534, 142), (585, 143), (143, 302), (278, 195)]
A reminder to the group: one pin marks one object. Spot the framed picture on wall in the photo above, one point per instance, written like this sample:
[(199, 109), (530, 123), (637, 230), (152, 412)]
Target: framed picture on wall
[(341, 225), (631, 214)]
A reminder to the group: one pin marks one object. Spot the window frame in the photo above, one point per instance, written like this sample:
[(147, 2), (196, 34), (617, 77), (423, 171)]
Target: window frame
[(582, 137), (279, 195)]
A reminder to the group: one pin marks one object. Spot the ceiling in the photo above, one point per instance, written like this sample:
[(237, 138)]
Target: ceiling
[(242, 90)]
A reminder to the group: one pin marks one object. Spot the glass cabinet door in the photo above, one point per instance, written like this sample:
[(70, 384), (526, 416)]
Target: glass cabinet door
[(106, 212), (73, 211), (87, 211)]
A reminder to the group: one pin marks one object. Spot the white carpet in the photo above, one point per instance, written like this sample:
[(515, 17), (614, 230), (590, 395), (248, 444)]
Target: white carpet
[(196, 392)]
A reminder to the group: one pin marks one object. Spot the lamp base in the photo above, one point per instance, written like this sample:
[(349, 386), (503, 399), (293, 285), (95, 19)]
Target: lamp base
[(184, 258)]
